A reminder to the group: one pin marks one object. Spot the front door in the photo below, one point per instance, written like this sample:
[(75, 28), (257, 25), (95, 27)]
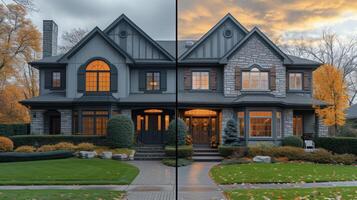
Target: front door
[(55, 125), (201, 133), (151, 133)]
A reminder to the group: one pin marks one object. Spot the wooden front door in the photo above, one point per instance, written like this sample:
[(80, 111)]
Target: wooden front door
[(55, 125), (201, 130)]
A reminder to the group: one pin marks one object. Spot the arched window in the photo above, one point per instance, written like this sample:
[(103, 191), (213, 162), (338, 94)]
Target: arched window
[(97, 76)]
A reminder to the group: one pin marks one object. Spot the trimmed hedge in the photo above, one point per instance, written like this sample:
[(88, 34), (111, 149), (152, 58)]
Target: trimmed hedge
[(292, 141), (339, 145), (16, 156), (14, 129), (183, 151), (120, 132), (39, 140), (226, 150)]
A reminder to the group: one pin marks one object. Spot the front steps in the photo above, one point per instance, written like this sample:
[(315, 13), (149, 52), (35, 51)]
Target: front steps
[(149, 153), (206, 154)]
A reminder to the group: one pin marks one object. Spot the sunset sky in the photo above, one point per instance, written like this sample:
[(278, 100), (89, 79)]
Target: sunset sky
[(277, 18)]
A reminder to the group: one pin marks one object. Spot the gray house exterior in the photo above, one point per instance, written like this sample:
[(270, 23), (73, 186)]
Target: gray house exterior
[(229, 73)]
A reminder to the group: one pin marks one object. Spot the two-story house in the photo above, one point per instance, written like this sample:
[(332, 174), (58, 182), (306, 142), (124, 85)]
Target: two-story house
[(229, 73)]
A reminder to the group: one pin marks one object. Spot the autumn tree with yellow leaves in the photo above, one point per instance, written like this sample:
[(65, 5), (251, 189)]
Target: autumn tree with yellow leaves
[(329, 86)]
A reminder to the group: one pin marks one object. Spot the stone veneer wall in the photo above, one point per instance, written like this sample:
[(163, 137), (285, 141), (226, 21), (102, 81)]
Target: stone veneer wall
[(254, 52), (323, 129), (37, 122), (288, 122), (66, 122), (227, 114)]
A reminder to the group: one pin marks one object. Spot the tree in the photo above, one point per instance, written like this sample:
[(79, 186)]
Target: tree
[(19, 38), (11, 110), (231, 133), (71, 38), (27, 4), (333, 50), (329, 86)]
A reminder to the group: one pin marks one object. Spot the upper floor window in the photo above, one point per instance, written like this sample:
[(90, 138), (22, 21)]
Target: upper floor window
[(56, 79), (295, 81), (200, 80), (255, 80), (97, 77), (152, 81)]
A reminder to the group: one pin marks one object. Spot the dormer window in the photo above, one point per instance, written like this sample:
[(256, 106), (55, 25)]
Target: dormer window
[(295, 81), (255, 79), (97, 76)]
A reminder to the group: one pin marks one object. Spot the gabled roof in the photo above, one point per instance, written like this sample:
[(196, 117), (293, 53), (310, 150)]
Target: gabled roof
[(215, 27), (131, 23), (88, 37), (256, 31)]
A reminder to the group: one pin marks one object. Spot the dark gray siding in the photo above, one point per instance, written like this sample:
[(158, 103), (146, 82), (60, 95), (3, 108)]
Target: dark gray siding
[(134, 43), (216, 45)]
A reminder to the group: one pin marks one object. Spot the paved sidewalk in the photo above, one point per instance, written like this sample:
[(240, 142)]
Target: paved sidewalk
[(195, 184)]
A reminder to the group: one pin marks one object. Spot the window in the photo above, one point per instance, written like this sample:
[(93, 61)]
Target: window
[(278, 124), (255, 80), (152, 81), (75, 122), (95, 122), (295, 81), (200, 80), (241, 124), (167, 122), (98, 77), (56, 79), (297, 125), (260, 124), (139, 122)]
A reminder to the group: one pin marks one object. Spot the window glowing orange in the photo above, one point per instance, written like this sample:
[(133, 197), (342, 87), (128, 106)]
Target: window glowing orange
[(200, 113), (97, 77)]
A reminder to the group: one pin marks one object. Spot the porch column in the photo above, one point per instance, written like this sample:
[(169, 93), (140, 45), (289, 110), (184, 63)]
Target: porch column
[(227, 114), (37, 122), (288, 122), (66, 122), (322, 128)]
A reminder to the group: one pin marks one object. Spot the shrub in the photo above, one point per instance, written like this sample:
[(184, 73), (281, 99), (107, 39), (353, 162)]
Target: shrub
[(14, 129), (181, 132), (292, 141), (120, 132), (236, 151), (183, 151), (46, 148), (236, 161), (172, 162), (346, 159), (341, 145), (25, 149), (6, 144), (18, 156), (39, 140), (85, 147), (65, 146), (292, 153), (231, 133)]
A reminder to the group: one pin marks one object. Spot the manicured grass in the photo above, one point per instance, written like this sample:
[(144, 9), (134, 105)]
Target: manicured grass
[(282, 173), (60, 194), (344, 193), (67, 172)]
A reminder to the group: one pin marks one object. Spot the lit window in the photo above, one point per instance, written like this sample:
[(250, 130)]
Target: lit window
[(295, 81), (167, 122), (138, 122), (260, 124), (278, 124), (159, 122), (146, 122), (200, 80), (98, 77), (255, 80), (95, 122), (241, 123), (297, 125), (153, 81), (56, 79)]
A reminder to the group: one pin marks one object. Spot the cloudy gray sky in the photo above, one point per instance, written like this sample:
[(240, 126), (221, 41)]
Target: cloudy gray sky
[(155, 17)]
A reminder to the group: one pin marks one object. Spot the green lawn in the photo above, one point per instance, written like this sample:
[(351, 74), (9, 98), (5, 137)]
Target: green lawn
[(60, 194), (67, 172), (282, 173), (343, 193)]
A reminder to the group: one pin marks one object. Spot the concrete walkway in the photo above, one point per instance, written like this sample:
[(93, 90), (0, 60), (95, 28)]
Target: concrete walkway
[(195, 184)]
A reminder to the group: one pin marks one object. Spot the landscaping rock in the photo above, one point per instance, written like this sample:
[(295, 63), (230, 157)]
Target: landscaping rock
[(262, 159), (120, 157), (87, 154), (106, 155)]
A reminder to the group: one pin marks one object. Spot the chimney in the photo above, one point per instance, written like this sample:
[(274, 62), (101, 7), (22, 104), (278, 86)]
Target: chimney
[(49, 40)]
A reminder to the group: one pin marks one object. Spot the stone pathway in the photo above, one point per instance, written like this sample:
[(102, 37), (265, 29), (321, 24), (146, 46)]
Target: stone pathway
[(195, 184)]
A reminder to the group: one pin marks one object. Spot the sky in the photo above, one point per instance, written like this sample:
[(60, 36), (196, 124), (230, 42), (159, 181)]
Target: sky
[(285, 19)]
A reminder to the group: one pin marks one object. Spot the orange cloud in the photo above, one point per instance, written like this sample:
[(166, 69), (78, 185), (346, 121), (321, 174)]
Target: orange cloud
[(274, 17)]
